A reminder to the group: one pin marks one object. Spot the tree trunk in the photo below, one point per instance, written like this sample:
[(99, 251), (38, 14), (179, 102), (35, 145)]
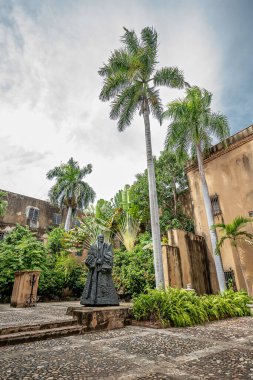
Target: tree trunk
[(174, 191), (155, 226), (240, 264), (68, 219), (210, 221)]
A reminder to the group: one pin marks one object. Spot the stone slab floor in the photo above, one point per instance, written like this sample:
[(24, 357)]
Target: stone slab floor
[(43, 312), (219, 350)]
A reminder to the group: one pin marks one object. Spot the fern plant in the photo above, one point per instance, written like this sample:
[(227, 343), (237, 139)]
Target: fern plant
[(181, 308)]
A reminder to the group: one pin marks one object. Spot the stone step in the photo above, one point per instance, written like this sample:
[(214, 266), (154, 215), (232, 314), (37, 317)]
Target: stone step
[(27, 336), (37, 326)]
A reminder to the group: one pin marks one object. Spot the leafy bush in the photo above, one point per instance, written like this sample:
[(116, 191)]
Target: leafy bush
[(133, 271), (56, 240), (20, 250), (179, 307), (63, 271)]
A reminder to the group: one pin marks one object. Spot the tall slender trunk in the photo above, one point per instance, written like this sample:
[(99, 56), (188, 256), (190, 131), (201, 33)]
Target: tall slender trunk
[(240, 264), (155, 226), (174, 191), (210, 221), (68, 219)]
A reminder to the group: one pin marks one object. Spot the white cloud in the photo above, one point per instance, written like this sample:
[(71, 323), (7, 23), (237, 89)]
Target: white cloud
[(49, 87)]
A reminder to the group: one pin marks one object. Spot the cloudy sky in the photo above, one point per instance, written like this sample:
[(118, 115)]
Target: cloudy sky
[(50, 52)]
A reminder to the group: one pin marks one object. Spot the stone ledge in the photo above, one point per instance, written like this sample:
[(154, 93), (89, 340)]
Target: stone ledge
[(101, 318)]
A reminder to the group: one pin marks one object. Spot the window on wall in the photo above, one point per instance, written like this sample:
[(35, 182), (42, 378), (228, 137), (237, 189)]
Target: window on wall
[(57, 219), (251, 214), (32, 214), (215, 204)]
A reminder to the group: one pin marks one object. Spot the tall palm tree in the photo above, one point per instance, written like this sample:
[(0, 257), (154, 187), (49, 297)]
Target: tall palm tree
[(233, 232), (3, 203), (130, 82), (70, 190), (191, 129)]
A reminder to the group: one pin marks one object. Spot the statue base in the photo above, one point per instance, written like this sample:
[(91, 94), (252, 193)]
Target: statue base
[(101, 318)]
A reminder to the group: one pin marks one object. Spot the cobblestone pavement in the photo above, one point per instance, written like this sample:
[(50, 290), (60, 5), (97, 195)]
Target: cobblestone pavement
[(219, 350)]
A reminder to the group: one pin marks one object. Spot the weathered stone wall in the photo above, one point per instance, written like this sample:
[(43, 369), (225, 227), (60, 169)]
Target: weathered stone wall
[(185, 261), (16, 211), (229, 174)]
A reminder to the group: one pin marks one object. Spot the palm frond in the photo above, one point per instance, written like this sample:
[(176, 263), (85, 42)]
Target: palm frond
[(127, 113), (219, 125), (113, 85), (155, 103), (123, 98), (131, 41), (128, 230), (149, 39), (119, 62), (169, 76), (218, 225), (220, 244)]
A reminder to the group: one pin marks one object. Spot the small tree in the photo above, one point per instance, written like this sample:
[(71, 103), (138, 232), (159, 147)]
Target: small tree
[(233, 232), (70, 190)]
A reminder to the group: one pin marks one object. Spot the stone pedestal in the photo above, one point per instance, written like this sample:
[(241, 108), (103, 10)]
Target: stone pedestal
[(101, 318), (25, 288)]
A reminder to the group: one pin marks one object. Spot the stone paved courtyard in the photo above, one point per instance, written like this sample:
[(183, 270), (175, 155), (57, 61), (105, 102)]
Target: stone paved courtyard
[(219, 350)]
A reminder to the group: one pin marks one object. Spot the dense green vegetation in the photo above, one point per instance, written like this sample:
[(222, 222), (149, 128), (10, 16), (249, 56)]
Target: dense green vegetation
[(21, 250), (133, 271), (171, 183), (180, 307)]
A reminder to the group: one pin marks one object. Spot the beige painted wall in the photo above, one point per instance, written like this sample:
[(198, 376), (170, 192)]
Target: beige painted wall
[(229, 173)]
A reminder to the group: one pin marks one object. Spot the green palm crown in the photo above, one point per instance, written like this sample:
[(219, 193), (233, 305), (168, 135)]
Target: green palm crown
[(70, 189), (130, 78)]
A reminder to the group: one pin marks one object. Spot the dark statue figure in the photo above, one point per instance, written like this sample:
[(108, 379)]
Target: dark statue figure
[(99, 289)]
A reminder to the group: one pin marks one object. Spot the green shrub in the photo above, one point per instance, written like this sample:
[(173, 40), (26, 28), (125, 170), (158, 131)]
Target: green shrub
[(20, 250), (63, 271), (55, 240), (133, 271), (179, 307)]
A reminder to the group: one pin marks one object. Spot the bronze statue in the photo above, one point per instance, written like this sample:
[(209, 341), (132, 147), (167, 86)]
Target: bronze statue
[(99, 289)]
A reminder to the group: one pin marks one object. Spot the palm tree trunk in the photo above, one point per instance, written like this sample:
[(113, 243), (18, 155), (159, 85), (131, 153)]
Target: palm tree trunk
[(240, 264), (210, 221), (68, 219), (154, 215)]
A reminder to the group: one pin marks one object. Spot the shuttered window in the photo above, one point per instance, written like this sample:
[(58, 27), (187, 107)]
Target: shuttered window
[(215, 204), (33, 214), (57, 219)]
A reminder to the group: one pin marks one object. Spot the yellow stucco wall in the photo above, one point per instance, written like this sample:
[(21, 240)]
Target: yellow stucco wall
[(229, 173)]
